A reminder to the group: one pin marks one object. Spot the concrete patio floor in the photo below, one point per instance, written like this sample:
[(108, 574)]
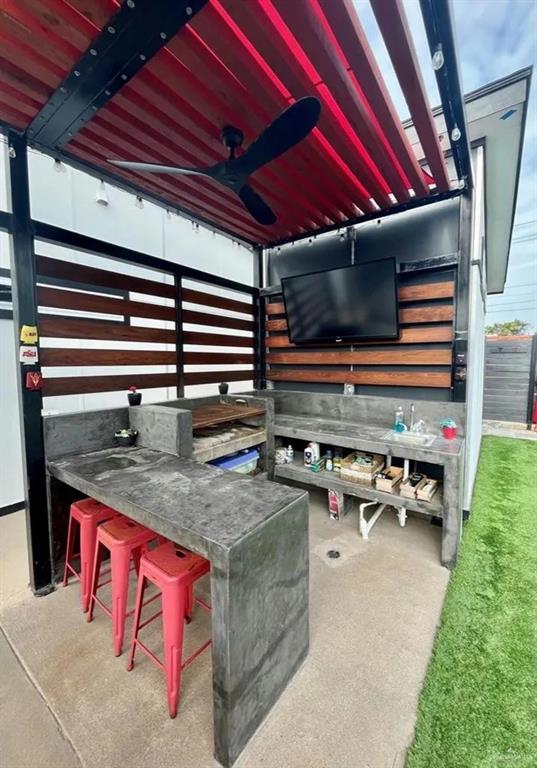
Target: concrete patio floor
[(68, 702)]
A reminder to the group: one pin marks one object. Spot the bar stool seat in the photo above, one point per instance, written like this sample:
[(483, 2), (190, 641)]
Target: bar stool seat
[(88, 514), (174, 570), (126, 541)]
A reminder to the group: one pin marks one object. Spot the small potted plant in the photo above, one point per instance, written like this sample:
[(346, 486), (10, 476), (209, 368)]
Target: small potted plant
[(135, 398), (125, 437)]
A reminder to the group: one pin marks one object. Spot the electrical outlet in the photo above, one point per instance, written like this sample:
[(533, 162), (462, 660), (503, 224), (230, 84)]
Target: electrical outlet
[(348, 389)]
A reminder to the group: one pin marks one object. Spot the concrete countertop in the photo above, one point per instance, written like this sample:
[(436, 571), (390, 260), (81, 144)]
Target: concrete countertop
[(364, 437), (199, 504)]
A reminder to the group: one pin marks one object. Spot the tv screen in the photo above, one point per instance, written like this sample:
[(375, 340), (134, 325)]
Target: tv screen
[(356, 302)]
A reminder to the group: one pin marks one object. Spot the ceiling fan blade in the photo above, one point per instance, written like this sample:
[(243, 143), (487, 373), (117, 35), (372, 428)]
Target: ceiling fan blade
[(256, 206), (153, 168), (284, 132)]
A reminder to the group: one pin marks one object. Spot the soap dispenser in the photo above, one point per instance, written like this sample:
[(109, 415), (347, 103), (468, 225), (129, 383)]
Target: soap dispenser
[(399, 423)]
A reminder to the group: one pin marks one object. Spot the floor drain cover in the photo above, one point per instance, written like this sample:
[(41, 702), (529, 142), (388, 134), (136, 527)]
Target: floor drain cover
[(333, 554)]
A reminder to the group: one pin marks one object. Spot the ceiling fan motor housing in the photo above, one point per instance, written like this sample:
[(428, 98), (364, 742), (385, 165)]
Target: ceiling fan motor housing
[(232, 137)]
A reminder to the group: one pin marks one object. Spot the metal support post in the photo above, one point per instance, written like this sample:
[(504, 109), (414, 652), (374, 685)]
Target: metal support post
[(25, 322)]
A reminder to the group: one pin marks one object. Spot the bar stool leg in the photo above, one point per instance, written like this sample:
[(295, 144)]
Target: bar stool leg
[(69, 550), (88, 542), (120, 562), (189, 608), (173, 613), (95, 574), (140, 589)]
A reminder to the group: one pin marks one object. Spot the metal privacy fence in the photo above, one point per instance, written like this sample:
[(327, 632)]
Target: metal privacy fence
[(509, 378)]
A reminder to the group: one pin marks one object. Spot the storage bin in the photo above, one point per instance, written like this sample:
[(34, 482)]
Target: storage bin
[(426, 491), (243, 461), (408, 490), (389, 479), (365, 473)]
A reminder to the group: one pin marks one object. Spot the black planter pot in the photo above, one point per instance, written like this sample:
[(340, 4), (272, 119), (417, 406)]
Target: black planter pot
[(223, 388), (135, 398)]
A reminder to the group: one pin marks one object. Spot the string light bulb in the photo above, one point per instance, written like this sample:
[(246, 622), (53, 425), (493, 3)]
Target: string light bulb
[(139, 203), (455, 133), (438, 59), (59, 167)]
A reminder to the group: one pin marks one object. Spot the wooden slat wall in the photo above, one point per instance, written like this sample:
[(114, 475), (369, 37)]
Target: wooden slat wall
[(422, 356), (58, 320)]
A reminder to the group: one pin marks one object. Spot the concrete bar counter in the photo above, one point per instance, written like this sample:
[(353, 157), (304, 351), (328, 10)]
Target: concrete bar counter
[(255, 534)]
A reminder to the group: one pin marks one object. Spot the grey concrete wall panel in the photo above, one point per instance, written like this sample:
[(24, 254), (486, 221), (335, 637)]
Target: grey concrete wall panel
[(360, 409), (326, 252), (70, 433), (263, 606), (422, 233), (164, 429)]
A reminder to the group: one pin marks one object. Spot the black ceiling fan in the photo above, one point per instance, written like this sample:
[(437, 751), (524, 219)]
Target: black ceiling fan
[(290, 127)]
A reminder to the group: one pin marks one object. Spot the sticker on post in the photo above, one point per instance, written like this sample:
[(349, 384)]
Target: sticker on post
[(28, 355), (34, 380), (29, 334)]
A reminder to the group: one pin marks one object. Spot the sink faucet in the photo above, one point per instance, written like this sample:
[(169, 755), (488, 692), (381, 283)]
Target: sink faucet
[(412, 409)]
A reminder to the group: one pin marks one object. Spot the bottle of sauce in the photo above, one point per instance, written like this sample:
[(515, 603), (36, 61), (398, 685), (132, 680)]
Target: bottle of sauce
[(337, 461), (329, 464)]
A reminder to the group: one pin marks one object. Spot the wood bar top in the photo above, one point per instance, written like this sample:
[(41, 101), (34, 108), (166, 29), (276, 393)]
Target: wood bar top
[(223, 413)]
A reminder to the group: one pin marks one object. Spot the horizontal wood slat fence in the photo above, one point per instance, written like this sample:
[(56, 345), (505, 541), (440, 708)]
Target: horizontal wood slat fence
[(426, 314), (82, 292)]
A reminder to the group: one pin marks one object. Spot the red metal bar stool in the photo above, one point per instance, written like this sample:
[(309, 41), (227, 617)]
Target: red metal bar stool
[(126, 541), (174, 570), (88, 514)]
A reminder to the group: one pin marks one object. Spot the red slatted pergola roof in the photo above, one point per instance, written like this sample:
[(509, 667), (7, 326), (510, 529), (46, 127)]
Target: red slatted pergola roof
[(238, 63)]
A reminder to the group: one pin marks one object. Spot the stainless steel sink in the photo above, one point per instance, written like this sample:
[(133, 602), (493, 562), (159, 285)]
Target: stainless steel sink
[(409, 438)]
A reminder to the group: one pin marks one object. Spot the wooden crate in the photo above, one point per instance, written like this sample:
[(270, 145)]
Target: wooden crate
[(427, 490), (363, 474), (408, 491), (389, 479)]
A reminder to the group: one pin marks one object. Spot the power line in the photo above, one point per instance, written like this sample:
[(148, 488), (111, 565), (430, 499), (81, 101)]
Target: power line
[(525, 223)]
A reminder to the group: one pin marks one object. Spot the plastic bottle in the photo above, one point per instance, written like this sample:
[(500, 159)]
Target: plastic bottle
[(399, 424), (290, 454), (337, 461), (329, 464)]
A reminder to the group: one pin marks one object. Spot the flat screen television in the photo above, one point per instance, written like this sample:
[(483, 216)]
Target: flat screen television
[(354, 303)]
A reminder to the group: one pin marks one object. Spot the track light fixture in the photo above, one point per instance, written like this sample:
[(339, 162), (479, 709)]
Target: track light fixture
[(101, 196)]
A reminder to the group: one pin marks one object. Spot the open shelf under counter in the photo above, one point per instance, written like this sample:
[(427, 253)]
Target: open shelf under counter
[(213, 443), (323, 479)]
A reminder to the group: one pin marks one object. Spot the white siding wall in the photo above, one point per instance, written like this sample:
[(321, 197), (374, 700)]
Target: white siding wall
[(67, 199), (476, 331)]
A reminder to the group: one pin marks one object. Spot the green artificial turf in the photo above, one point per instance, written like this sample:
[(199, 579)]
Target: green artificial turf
[(478, 705)]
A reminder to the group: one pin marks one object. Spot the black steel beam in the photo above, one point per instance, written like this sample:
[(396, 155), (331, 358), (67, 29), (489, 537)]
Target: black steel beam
[(179, 338), (438, 20), (342, 225), (87, 244), (462, 300), (131, 37), (23, 283), (259, 332), (6, 221)]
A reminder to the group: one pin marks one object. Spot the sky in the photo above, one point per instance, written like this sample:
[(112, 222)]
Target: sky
[(495, 38)]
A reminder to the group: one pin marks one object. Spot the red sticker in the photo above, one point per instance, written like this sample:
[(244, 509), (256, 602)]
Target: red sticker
[(34, 380)]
